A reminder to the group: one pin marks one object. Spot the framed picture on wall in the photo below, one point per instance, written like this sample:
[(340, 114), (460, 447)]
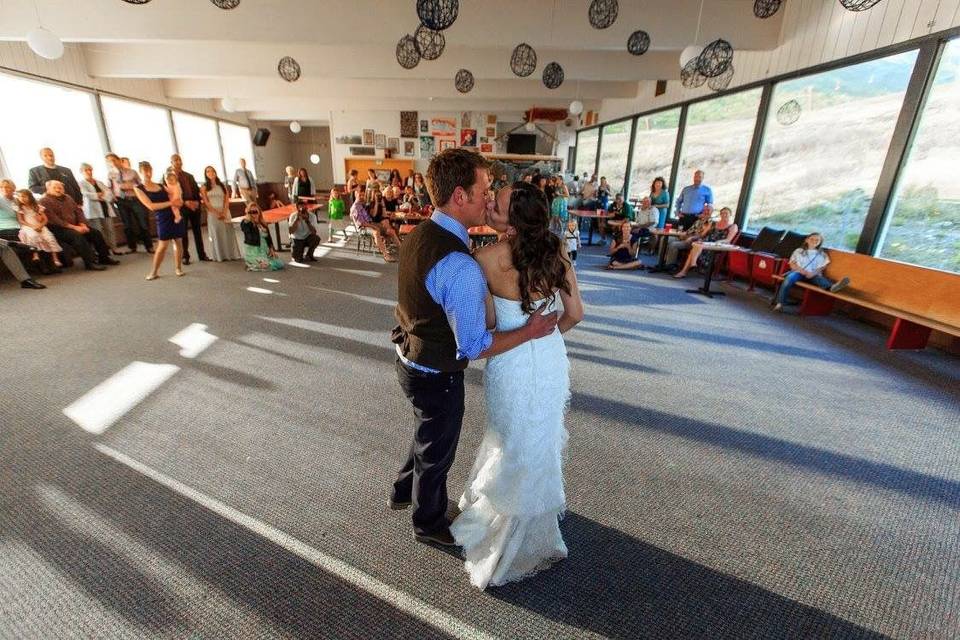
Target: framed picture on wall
[(409, 148), (486, 147), (428, 147), (491, 119), (408, 124), (393, 143), (443, 126), (380, 141), (424, 126), (468, 137), (368, 137), (446, 143), (491, 132)]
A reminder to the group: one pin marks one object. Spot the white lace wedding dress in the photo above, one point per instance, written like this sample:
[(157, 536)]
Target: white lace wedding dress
[(514, 497)]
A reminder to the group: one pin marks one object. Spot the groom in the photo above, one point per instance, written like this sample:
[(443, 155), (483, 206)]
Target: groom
[(442, 326)]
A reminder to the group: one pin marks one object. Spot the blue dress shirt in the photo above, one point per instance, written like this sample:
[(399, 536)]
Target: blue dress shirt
[(458, 285), (692, 199)]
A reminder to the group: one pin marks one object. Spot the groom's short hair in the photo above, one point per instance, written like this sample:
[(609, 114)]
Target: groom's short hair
[(450, 169)]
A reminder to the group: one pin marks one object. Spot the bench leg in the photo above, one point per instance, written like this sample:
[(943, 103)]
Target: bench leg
[(908, 335), (815, 304)]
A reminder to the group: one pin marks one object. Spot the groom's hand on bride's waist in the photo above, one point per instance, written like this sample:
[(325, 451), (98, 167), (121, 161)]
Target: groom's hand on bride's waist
[(541, 324)]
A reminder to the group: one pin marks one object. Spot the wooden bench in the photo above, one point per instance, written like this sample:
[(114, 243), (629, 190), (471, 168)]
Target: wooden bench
[(920, 300)]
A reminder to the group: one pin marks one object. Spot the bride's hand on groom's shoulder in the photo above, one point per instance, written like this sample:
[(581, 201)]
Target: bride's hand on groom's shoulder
[(540, 324)]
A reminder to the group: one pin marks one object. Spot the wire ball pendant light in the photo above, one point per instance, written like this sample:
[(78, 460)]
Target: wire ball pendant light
[(289, 69), (715, 58), (766, 8), (226, 4), (858, 5), (789, 113), (407, 53), (722, 81), (430, 43), (438, 14), (603, 13), (638, 43), (552, 75), (523, 60), (463, 81)]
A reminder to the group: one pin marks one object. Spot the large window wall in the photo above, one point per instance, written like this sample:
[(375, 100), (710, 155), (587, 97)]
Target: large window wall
[(198, 143), (140, 132), (818, 169), (860, 150), (236, 144), (616, 145)]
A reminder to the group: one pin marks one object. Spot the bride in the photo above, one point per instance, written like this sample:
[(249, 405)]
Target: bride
[(508, 525)]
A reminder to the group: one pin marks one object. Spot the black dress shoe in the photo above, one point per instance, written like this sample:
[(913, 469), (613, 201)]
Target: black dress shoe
[(96, 267), (30, 283), (186, 259), (443, 538), (109, 261), (205, 259), (396, 505)]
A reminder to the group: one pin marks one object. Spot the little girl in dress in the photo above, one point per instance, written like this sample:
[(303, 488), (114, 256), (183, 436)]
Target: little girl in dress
[(33, 227)]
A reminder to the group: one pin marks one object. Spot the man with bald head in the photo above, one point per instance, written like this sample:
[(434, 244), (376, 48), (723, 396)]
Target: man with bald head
[(68, 224), (50, 170)]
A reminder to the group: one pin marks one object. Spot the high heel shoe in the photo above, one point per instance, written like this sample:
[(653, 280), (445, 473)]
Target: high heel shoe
[(152, 276), (180, 273)]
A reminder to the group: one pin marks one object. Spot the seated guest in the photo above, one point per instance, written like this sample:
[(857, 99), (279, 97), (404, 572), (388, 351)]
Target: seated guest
[(303, 186), (686, 238), (604, 193), (50, 170), (394, 177), (9, 225), (588, 195), (391, 199), (501, 182), (807, 264), (274, 201), (33, 228), (723, 230), (69, 226), (96, 206), (622, 252), (420, 189), (645, 219), (10, 258), (258, 248), (397, 185), (382, 228), (303, 229), (410, 202), (622, 214), (411, 176), (336, 207)]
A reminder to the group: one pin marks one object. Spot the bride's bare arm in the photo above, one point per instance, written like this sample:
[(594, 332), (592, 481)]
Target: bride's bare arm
[(491, 312), (572, 302)]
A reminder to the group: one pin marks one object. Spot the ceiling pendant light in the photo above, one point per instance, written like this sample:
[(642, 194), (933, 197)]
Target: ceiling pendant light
[(576, 108), (45, 44), (295, 127)]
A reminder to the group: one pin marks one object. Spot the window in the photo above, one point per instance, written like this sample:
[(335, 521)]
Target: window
[(923, 223), (717, 141), (819, 173), (653, 147), (139, 132), (613, 154), (197, 142), (236, 145), (587, 151), (34, 115)]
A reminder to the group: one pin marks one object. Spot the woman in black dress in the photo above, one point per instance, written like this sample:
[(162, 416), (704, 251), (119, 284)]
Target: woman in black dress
[(165, 201)]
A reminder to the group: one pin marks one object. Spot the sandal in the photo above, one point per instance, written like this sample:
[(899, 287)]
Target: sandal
[(180, 273), (152, 276)]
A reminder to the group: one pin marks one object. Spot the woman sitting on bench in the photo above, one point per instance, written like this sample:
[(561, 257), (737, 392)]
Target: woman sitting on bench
[(807, 264)]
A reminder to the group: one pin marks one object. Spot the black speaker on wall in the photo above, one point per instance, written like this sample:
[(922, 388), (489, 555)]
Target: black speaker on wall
[(260, 137)]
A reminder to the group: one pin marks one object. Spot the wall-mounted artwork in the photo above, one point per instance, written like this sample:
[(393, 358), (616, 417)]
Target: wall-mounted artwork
[(368, 137), (492, 132), (380, 141), (491, 119), (349, 140), (394, 144), (409, 148), (424, 126), (465, 120), (468, 137), (446, 143), (427, 147), (486, 147), (408, 124), (443, 126), (363, 151)]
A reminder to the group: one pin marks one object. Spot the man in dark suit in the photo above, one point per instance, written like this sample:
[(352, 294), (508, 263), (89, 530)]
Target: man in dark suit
[(190, 210), (50, 170)]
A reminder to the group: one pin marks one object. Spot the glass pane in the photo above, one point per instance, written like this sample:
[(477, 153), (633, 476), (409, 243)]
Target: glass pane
[(819, 172), (197, 141), (923, 226), (717, 141), (236, 144), (613, 154), (587, 151), (140, 132), (34, 115), (653, 151)]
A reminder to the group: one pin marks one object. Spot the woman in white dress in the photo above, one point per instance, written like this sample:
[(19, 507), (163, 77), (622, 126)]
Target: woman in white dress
[(510, 509), (223, 237)]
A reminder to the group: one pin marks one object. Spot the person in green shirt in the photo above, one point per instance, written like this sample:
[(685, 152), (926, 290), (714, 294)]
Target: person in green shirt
[(621, 213), (335, 214)]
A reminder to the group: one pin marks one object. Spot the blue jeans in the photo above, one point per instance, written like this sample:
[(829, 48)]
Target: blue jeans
[(792, 277), (662, 218)]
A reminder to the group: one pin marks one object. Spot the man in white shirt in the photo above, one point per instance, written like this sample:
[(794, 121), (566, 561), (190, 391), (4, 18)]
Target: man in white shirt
[(245, 183)]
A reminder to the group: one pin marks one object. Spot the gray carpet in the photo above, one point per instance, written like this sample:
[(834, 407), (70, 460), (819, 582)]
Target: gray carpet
[(731, 473)]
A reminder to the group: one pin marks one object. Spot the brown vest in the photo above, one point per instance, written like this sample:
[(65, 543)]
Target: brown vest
[(424, 335)]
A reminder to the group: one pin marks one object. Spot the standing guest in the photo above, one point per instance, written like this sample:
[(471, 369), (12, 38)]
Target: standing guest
[(420, 189), (686, 238), (191, 209), (125, 163), (68, 224), (166, 202), (245, 182), (50, 170), (336, 208), (303, 186), (96, 206), (528, 178), (290, 175), (807, 264), (223, 238), (542, 183), (395, 175), (559, 211), (660, 198), (33, 228), (604, 193), (723, 230), (372, 180), (10, 258), (258, 250), (135, 218), (411, 176), (303, 230), (350, 187), (693, 199), (571, 236), (588, 195)]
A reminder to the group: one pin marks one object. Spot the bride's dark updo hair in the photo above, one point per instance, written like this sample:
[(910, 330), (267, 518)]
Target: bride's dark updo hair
[(535, 250)]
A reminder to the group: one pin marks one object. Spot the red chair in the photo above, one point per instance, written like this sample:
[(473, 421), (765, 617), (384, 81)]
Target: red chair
[(742, 263), (765, 265)]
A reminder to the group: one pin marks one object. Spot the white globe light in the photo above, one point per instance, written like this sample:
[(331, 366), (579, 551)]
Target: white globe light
[(314, 158), (45, 43), (689, 54), (530, 126), (295, 127), (229, 105), (576, 108)]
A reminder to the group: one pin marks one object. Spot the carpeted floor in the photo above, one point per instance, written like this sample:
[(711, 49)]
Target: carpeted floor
[(731, 473)]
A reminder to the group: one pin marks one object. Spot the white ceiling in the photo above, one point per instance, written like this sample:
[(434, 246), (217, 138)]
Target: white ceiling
[(347, 49)]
